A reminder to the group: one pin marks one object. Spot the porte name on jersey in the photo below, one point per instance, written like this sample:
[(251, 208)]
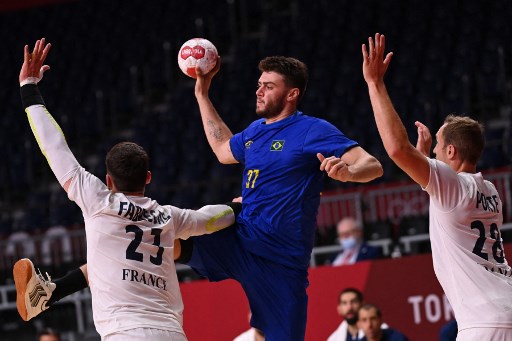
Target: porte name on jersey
[(489, 203)]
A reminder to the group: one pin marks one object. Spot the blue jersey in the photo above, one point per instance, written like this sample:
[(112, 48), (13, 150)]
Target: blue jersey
[(282, 183)]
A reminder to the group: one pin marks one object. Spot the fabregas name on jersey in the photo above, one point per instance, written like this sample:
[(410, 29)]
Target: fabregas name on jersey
[(136, 213)]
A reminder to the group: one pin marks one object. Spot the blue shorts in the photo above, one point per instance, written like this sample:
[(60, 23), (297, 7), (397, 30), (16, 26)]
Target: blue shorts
[(276, 293)]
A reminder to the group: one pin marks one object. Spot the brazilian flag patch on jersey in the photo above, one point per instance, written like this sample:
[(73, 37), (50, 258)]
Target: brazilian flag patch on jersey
[(277, 146)]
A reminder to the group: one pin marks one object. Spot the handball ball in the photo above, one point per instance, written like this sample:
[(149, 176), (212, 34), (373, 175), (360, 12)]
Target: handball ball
[(197, 52)]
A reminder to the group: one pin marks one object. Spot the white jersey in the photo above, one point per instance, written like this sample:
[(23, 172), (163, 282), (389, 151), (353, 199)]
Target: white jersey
[(467, 249), (340, 334), (130, 260), (130, 241)]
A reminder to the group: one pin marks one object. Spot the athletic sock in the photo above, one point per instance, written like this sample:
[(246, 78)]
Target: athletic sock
[(72, 282)]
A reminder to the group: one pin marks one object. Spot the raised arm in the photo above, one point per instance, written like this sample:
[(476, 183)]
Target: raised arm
[(217, 132), (47, 132), (390, 127)]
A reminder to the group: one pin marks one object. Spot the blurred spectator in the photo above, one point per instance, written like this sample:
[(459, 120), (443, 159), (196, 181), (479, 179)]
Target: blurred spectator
[(19, 245), (349, 302), (48, 334), (370, 321), (56, 236), (354, 248)]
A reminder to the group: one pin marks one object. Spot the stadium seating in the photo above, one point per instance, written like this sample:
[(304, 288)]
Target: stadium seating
[(114, 77)]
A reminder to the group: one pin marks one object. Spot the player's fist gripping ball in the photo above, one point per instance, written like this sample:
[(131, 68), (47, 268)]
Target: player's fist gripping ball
[(197, 52)]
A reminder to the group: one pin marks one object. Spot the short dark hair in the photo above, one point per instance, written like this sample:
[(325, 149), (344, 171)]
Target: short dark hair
[(294, 71), (467, 135), (368, 306), (48, 331), (128, 164), (359, 294)]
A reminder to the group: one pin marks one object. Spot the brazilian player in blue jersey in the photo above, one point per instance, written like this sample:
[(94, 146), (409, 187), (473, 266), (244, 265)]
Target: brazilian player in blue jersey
[(285, 154)]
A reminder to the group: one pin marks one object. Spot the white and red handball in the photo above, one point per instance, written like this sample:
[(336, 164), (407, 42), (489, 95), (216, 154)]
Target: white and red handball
[(197, 52)]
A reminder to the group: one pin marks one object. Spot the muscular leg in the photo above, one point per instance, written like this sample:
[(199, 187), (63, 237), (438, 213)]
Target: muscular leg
[(277, 294), (278, 300)]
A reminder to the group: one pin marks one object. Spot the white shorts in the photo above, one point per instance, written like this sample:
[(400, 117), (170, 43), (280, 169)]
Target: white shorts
[(138, 334), (487, 334)]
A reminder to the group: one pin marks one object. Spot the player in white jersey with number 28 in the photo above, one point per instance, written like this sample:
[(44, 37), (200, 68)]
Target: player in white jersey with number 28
[(465, 210), (131, 272)]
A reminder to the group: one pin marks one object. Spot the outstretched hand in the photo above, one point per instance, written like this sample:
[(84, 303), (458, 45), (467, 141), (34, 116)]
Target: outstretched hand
[(33, 66), (374, 63), (203, 81), (424, 139)]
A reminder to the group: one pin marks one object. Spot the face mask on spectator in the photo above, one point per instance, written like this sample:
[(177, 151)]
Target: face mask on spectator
[(348, 243)]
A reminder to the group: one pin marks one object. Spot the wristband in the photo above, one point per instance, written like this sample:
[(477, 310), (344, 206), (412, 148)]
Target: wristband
[(235, 206), (30, 95)]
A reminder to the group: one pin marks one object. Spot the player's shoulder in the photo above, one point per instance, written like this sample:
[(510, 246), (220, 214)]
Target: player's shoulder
[(307, 117), (255, 123), (443, 169), (314, 121)]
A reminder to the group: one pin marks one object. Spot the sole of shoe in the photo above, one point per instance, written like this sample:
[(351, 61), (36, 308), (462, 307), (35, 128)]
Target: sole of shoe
[(22, 273)]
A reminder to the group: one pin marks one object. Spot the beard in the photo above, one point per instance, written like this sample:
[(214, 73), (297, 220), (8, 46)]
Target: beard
[(352, 320), (270, 109)]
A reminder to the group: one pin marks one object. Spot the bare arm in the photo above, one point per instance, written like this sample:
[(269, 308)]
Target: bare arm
[(390, 127), (356, 165), (217, 132)]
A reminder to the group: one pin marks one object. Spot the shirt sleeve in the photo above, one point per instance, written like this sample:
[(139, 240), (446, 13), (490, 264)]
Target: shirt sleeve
[(325, 138), (52, 143), (236, 143), (88, 192), (205, 220), (444, 186)]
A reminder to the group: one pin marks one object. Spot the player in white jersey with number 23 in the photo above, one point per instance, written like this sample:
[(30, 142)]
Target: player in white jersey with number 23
[(130, 237)]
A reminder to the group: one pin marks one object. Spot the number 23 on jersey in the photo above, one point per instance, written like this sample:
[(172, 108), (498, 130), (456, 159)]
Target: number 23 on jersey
[(131, 251)]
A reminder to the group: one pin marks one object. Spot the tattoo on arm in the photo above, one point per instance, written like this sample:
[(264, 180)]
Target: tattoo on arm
[(215, 131)]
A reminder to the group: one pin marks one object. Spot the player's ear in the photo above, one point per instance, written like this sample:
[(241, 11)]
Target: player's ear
[(109, 182), (338, 308), (293, 94), (148, 178), (451, 150)]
